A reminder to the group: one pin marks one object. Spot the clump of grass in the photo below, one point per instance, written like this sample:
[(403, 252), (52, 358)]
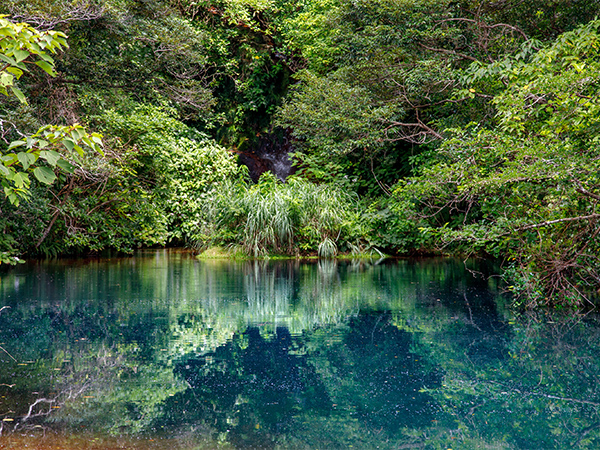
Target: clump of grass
[(327, 248), (292, 218)]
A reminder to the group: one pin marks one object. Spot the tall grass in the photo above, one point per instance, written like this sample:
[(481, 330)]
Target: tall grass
[(290, 218)]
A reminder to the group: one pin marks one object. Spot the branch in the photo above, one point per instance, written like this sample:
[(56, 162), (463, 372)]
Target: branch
[(567, 399), (451, 52), (80, 13), (48, 228), (552, 222), (583, 191), (511, 27), (11, 356), (485, 25), (419, 124), (39, 400)]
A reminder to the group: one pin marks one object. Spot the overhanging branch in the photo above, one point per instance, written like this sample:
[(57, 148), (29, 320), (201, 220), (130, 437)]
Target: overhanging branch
[(552, 222)]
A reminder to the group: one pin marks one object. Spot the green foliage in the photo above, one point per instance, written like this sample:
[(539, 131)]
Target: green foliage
[(381, 72), (314, 31), (382, 91), (21, 44), (98, 207), (540, 19), (290, 218), (349, 120), (7, 246), (183, 170), (45, 145), (370, 84), (527, 191)]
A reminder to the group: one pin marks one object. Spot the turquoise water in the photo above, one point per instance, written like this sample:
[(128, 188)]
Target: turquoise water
[(165, 351)]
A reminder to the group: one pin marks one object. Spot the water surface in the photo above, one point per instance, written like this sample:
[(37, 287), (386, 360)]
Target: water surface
[(163, 351)]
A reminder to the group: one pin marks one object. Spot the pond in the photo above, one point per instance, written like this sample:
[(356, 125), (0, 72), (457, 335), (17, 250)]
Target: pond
[(162, 351)]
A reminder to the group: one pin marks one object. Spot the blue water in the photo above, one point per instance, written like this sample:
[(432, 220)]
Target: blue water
[(161, 350)]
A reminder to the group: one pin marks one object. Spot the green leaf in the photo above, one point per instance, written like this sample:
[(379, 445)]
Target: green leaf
[(5, 170), (46, 67), (19, 179), (8, 59), (69, 144), (51, 156), (35, 48), (14, 144), (6, 31), (6, 79), (44, 174), (76, 134), (18, 94), (20, 55), (15, 71), (9, 159), (47, 58), (26, 159), (66, 166), (12, 197)]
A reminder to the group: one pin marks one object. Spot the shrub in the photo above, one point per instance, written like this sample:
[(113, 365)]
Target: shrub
[(181, 167)]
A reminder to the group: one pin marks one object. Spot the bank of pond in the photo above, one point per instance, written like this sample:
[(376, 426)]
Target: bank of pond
[(163, 350)]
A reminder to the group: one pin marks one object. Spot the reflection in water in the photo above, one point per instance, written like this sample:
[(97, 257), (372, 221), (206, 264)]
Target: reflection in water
[(163, 351)]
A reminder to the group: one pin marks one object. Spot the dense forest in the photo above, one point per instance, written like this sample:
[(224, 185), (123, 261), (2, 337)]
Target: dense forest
[(314, 127)]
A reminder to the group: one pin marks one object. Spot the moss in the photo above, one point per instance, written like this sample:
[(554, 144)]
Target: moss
[(223, 253)]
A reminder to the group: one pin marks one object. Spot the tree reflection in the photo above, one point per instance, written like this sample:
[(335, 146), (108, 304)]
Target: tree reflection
[(251, 388), (384, 375), (259, 389), (287, 355)]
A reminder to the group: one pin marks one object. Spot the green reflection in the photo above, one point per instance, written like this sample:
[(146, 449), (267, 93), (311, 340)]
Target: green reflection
[(290, 355)]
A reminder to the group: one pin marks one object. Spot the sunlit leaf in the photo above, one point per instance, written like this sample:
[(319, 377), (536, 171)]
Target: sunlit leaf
[(26, 159), (18, 94), (20, 55), (46, 67), (14, 144), (19, 179), (15, 71), (6, 79), (51, 156), (8, 59)]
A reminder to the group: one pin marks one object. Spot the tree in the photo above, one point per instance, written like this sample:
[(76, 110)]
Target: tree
[(527, 190), (379, 82)]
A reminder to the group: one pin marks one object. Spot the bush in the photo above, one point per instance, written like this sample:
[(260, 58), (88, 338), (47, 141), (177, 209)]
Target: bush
[(182, 168)]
